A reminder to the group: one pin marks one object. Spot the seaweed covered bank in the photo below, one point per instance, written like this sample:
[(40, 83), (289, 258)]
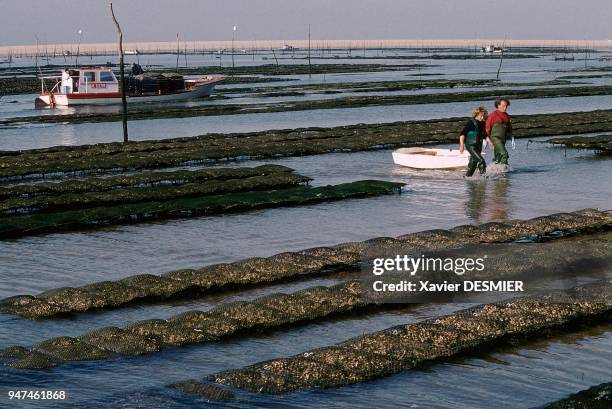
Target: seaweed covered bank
[(599, 143), (596, 397), (95, 211)]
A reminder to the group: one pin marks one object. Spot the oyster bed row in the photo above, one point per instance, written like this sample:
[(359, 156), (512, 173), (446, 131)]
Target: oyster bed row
[(114, 157), (137, 181), (596, 397), (600, 143), (285, 266), (406, 347), (546, 260), (181, 202), (92, 192), (381, 86), (136, 113)]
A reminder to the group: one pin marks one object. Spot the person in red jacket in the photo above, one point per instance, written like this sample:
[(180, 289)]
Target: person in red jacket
[(499, 129)]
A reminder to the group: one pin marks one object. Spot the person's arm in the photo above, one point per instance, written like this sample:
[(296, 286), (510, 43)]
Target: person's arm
[(466, 128), (489, 125)]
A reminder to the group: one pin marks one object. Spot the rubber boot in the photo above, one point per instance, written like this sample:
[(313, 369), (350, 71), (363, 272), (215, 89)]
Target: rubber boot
[(482, 164), (500, 152), (472, 164), (476, 159), (482, 168)]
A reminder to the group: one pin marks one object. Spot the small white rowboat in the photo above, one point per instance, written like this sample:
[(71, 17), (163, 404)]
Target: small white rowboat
[(425, 158)]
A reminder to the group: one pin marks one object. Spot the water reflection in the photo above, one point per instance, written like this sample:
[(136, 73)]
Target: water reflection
[(488, 199), (68, 135)]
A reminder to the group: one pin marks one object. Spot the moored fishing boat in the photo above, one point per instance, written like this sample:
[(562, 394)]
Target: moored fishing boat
[(99, 86)]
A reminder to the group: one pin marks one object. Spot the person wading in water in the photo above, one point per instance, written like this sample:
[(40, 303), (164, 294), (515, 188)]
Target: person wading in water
[(499, 129), (471, 139)]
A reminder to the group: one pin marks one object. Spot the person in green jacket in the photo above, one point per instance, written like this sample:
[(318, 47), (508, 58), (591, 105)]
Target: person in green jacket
[(471, 139), (499, 129)]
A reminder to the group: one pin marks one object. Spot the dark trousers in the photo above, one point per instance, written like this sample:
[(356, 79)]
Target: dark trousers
[(476, 159), (500, 152)]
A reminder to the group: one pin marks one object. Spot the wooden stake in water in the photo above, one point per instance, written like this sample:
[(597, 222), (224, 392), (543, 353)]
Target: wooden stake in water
[(122, 76), (178, 50), (233, 39), (274, 54), (309, 66), (36, 56), (76, 61), (501, 59)]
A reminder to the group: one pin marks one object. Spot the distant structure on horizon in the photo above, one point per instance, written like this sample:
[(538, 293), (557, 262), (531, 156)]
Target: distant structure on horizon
[(136, 48), (492, 49)]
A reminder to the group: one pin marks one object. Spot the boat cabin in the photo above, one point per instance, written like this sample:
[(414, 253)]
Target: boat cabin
[(89, 81)]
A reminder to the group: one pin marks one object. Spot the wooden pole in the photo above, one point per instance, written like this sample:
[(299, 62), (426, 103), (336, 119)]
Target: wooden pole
[(178, 50), (36, 56), (274, 53), (233, 39), (501, 59), (76, 60), (122, 76), (309, 66)]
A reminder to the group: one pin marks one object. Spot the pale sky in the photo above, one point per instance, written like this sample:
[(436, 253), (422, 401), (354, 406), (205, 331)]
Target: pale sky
[(58, 21)]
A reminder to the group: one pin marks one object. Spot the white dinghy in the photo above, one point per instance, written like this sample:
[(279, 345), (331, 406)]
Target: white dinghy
[(425, 158)]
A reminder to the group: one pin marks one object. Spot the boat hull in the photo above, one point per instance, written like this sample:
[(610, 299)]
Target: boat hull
[(197, 90), (423, 158)]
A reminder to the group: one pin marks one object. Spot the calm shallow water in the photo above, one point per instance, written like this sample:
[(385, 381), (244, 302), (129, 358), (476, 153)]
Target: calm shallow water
[(39, 136), (542, 180)]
